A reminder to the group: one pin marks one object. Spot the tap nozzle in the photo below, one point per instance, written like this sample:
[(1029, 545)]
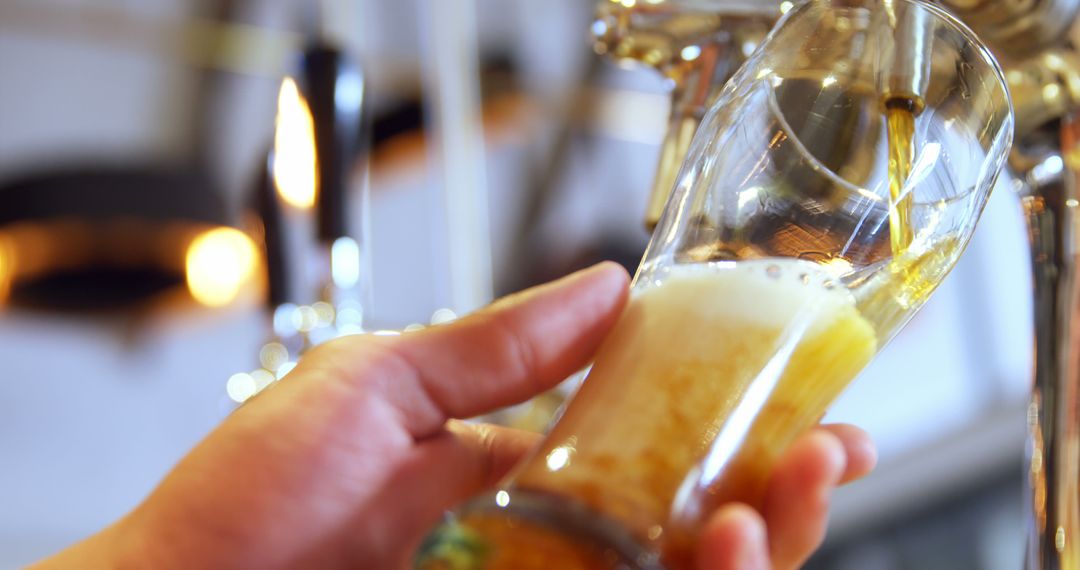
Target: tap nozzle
[(907, 56)]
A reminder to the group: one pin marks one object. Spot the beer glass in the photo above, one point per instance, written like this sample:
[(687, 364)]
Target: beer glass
[(826, 194)]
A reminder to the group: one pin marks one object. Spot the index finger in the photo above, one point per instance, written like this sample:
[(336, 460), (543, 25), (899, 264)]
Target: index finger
[(500, 355)]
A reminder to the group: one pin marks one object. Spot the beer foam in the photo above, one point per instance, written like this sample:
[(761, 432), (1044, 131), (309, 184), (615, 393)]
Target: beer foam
[(766, 292)]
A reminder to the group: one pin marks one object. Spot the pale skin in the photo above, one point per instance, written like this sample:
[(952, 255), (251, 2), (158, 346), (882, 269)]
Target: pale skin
[(351, 459)]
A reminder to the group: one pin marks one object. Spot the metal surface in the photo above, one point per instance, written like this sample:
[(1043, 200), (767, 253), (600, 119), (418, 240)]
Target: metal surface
[(334, 88), (909, 68), (697, 85), (1045, 87), (1017, 27), (317, 280), (697, 45), (1043, 71), (1050, 202)]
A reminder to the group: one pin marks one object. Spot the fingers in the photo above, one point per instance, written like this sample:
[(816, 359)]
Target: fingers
[(797, 502), (465, 459), (734, 539), (505, 353), (490, 451), (858, 448), (461, 461)]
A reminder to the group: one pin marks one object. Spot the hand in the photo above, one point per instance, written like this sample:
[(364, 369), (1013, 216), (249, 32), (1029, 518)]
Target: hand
[(348, 461)]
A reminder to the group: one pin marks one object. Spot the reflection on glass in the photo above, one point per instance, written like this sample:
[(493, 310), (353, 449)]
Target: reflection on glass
[(790, 252), (295, 168)]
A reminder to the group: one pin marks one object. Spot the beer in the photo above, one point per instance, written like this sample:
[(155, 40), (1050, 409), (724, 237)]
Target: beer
[(900, 122), (712, 370)]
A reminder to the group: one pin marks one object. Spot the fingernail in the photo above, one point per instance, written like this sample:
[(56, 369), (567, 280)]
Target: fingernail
[(756, 554), (869, 452), (606, 275), (600, 268), (837, 457)]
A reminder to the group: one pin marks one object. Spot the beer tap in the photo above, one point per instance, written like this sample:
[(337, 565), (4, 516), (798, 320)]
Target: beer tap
[(1043, 71), (335, 92), (316, 279), (697, 45)]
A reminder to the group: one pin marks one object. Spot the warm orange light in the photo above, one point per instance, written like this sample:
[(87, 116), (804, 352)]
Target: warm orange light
[(220, 263), (7, 267), (295, 172)]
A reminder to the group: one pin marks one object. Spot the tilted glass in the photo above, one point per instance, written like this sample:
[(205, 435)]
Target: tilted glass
[(826, 194)]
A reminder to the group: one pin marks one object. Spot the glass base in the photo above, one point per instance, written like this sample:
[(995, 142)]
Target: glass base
[(524, 530)]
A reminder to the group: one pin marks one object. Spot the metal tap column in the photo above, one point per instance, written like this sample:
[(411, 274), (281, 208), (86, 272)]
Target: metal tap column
[(1043, 72), (1050, 203)]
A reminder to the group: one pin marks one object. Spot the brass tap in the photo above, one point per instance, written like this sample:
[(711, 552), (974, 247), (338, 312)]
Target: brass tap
[(1045, 87), (697, 45), (1017, 27)]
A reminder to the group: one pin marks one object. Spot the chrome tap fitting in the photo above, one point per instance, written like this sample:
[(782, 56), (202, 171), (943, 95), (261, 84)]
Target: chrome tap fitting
[(697, 45)]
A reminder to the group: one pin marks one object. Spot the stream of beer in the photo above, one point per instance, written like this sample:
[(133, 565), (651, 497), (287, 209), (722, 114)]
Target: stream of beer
[(900, 122)]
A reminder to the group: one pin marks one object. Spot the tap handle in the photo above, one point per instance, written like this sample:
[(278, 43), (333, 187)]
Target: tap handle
[(335, 93)]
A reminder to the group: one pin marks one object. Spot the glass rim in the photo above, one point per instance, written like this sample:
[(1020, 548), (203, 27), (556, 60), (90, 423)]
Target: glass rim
[(985, 58), (941, 14)]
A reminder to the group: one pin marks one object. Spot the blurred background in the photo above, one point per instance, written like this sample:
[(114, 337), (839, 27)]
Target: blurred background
[(163, 257)]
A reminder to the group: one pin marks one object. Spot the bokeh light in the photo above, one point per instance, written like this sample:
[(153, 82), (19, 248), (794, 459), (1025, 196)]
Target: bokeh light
[(273, 355), (295, 164), (219, 264), (345, 262), (240, 387), (443, 316)]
